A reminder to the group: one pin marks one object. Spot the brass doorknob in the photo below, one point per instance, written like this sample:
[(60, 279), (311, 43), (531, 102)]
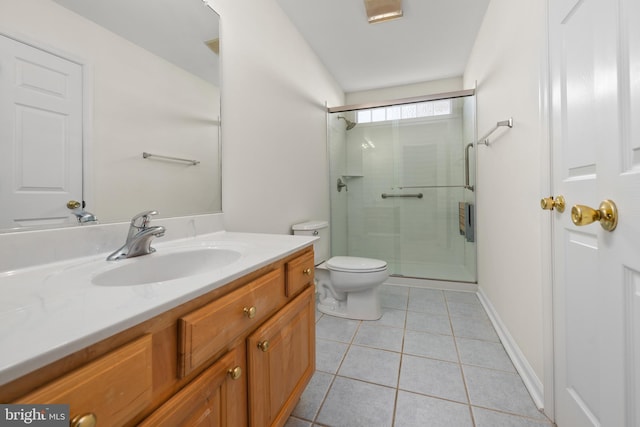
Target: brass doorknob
[(607, 215), (549, 203), (84, 420), (73, 204), (306, 271), (235, 373), (263, 345), (250, 312)]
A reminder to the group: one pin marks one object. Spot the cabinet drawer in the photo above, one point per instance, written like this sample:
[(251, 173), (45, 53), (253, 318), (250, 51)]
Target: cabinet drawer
[(217, 397), (115, 387), (206, 331), (300, 273)]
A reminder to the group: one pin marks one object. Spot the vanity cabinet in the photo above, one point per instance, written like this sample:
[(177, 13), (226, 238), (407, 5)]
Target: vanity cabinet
[(112, 389), (281, 362), (217, 397), (239, 355)]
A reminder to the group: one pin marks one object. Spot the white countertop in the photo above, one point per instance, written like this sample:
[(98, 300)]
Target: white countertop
[(52, 310)]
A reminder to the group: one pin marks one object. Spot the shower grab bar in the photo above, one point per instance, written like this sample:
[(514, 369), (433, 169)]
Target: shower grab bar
[(485, 139), (385, 195), (432, 186), (466, 167), (146, 155)]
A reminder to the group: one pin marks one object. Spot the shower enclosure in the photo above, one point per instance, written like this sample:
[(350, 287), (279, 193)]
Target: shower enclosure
[(402, 185)]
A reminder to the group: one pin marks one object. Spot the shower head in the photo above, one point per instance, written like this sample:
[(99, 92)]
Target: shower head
[(350, 124)]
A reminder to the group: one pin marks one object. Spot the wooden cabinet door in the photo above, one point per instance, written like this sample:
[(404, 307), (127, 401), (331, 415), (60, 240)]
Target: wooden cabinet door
[(281, 361), (114, 388), (216, 398)]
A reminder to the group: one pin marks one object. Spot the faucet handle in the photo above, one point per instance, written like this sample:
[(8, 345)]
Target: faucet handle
[(142, 219)]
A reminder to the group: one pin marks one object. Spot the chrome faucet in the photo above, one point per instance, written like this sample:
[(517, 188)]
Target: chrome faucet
[(83, 217), (139, 237)]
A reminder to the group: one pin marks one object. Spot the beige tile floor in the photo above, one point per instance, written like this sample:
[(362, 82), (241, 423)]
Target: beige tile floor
[(433, 359)]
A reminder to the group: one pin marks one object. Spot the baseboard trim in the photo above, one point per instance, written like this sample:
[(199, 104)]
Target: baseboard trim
[(529, 377)]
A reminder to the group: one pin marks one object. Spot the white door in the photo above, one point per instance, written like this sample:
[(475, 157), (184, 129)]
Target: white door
[(595, 122), (40, 135)]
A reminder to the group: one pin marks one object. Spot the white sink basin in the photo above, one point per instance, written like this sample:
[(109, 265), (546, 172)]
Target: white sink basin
[(163, 267)]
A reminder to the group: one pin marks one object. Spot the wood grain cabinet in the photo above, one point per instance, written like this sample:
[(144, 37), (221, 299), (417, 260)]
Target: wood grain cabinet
[(281, 361), (240, 355), (216, 398), (111, 390)]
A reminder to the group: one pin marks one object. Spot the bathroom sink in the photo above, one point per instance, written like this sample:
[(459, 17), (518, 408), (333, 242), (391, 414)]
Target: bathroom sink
[(166, 266)]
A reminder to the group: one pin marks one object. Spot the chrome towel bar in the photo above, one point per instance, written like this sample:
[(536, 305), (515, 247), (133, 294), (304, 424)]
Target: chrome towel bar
[(417, 195), (485, 139), (146, 155)]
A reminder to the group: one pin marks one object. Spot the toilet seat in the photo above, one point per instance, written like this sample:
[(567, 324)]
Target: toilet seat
[(350, 264)]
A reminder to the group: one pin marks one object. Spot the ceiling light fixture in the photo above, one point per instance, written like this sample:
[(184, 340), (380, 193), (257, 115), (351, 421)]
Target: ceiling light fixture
[(383, 10)]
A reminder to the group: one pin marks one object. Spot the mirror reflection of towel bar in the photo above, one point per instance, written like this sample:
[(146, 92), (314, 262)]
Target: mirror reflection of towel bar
[(146, 155), (417, 195)]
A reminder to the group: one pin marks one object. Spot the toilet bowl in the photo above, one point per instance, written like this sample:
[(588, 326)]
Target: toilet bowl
[(346, 286)]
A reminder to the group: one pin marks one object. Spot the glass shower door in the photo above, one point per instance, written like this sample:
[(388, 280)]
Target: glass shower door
[(406, 201)]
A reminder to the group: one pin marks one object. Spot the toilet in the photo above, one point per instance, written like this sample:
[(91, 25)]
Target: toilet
[(346, 286)]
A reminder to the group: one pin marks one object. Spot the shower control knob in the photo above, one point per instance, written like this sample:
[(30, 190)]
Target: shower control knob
[(549, 203)]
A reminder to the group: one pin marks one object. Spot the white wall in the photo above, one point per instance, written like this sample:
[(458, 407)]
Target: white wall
[(506, 62), (275, 170), (406, 91)]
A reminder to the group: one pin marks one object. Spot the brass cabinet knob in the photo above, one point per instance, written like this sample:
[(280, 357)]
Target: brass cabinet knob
[(235, 373), (250, 312), (607, 215), (84, 420), (306, 272), (73, 204), (549, 203), (263, 345)]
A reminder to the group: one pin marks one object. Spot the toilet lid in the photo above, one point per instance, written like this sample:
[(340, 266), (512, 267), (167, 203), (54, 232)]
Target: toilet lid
[(350, 263)]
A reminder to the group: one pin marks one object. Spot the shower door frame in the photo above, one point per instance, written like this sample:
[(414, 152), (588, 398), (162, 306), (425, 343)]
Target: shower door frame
[(473, 144)]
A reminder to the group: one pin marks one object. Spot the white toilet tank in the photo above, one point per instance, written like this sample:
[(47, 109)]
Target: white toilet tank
[(316, 228)]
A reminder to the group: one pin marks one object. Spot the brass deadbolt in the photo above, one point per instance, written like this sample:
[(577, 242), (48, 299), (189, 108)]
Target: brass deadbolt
[(549, 203)]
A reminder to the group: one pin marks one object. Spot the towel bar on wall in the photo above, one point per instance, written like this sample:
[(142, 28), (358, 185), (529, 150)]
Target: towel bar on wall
[(146, 155), (485, 139)]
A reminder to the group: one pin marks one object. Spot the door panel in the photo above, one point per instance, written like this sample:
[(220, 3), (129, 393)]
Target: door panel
[(41, 135), (595, 95)]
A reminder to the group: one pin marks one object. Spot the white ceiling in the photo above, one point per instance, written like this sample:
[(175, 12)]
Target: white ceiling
[(432, 41)]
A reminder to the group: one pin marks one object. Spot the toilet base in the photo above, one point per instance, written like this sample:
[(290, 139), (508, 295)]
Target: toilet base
[(363, 305)]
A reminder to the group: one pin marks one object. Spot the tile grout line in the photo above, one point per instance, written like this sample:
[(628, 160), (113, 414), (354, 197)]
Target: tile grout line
[(351, 343), (315, 417), (464, 380)]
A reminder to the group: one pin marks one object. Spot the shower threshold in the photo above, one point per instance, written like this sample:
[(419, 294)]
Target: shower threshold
[(421, 282)]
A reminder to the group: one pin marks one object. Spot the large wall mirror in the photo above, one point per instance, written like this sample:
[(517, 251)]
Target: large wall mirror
[(93, 85)]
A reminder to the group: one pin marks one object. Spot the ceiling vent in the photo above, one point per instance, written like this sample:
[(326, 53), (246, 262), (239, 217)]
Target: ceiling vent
[(383, 10)]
